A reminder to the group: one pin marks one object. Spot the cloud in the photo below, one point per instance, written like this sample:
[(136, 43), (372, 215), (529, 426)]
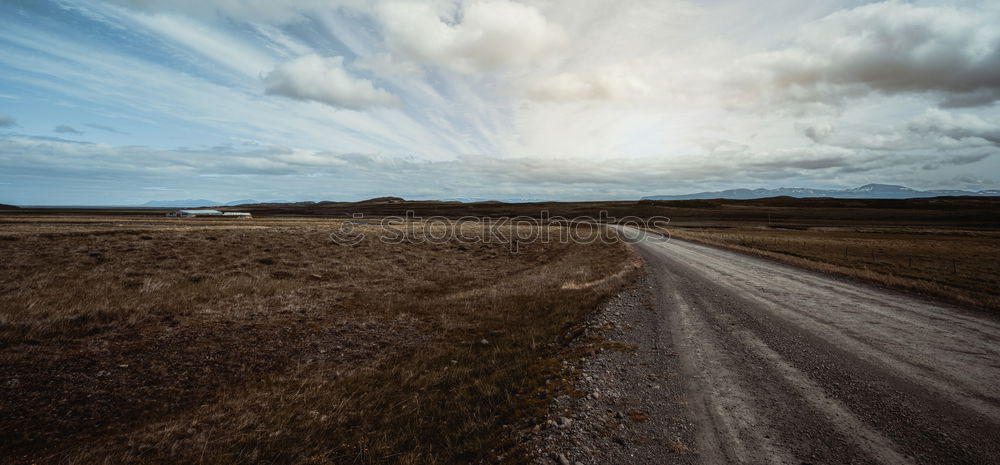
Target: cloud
[(955, 126), (481, 36), (608, 84), (935, 129), (325, 80), (104, 128), (971, 181), (254, 10), (7, 120), (383, 64), (475, 82), (935, 140), (957, 160), (64, 129), (818, 132), (566, 177), (890, 48)]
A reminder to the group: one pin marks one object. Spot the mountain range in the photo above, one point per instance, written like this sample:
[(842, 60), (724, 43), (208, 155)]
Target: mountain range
[(869, 191)]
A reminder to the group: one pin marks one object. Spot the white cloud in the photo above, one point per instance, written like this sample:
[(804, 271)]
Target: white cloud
[(383, 64), (609, 84), (891, 47), (325, 80), (7, 120), (483, 35)]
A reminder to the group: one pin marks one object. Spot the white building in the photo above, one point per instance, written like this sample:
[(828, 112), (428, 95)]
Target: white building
[(196, 213)]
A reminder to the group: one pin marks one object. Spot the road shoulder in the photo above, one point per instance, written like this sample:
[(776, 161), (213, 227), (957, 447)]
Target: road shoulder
[(626, 403)]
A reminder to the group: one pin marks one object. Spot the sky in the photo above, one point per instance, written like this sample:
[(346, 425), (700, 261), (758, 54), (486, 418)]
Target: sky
[(125, 101)]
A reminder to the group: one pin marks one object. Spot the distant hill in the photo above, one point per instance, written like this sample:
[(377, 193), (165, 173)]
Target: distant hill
[(181, 203), (870, 191), (4, 206), (502, 200), (252, 202), (204, 203), (382, 200)]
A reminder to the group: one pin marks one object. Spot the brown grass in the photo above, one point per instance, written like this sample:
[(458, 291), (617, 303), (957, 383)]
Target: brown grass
[(144, 340), (960, 266)]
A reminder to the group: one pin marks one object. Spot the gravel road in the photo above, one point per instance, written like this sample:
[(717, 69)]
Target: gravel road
[(783, 365), (734, 359)]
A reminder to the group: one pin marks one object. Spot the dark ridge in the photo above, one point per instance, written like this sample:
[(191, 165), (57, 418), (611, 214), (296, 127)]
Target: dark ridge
[(382, 200), (969, 212)]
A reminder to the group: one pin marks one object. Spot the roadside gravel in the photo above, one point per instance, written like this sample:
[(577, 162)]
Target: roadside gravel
[(628, 405)]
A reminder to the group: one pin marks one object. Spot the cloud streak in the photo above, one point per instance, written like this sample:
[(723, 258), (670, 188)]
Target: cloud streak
[(104, 128), (64, 129)]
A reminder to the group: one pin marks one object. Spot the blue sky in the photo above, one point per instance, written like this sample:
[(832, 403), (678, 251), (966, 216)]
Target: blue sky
[(125, 101)]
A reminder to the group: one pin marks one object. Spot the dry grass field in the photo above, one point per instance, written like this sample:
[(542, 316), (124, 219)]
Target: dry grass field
[(945, 247), (136, 339), (926, 213), (131, 338), (961, 266)]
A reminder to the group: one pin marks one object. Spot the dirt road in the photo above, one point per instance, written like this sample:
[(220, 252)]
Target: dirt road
[(783, 365)]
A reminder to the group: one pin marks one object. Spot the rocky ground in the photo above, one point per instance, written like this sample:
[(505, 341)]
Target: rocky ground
[(627, 404)]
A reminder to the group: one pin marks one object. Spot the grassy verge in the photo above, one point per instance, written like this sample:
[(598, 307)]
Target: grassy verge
[(953, 265), (150, 341)]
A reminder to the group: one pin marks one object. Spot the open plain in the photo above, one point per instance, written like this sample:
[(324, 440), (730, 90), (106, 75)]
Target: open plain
[(848, 332), (129, 339)]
